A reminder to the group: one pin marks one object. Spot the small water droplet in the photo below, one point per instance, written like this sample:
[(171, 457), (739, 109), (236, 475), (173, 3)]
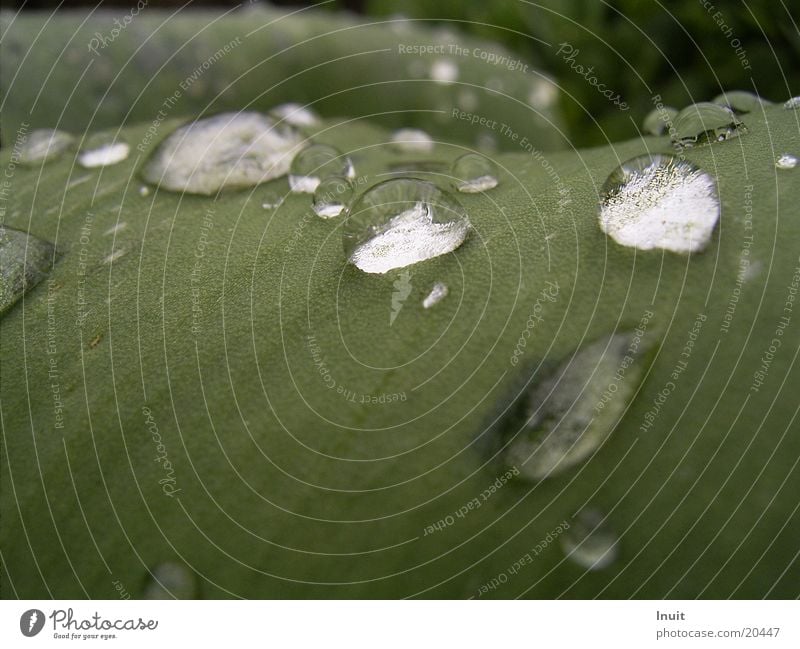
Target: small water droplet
[(230, 150), (272, 200), (25, 261), (401, 222), (412, 140), (119, 227), (44, 145), (437, 294), (741, 101), (705, 122), (444, 71), (101, 151), (567, 415), (589, 541), (786, 161), (295, 114), (660, 201), (171, 580), (144, 190), (474, 173), (543, 94), (332, 196), (792, 104), (114, 256), (316, 162), (659, 120)]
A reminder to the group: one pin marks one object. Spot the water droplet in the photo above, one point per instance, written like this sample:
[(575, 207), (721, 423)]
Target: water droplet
[(272, 200), (444, 71), (589, 542), (114, 256), (659, 201), (474, 173), (101, 151), (568, 414), (412, 140), (543, 94), (792, 104), (119, 227), (43, 145), (171, 580), (230, 150), (295, 114), (437, 294), (786, 161), (467, 100), (25, 261), (705, 122), (659, 120), (332, 196), (144, 190), (315, 163), (401, 222), (741, 101)]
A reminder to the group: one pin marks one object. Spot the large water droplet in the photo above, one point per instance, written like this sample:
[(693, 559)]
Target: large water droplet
[(332, 196), (171, 580), (705, 122), (44, 145), (437, 294), (316, 162), (589, 541), (444, 71), (295, 114), (474, 173), (660, 201), (741, 101), (569, 413), (786, 161), (103, 151), (412, 140), (659, 120), (231, 150), (25, 261), (401, 222), (792, 104)]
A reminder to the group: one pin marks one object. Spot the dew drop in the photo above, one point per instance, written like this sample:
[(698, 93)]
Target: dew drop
[(144, 190), (412, 140), (568, 414), (230, 150), (474, 173), (401, 222), (659, 120), (332, 196), (589, 541), (741, 101), (103, 152), (43, 145), (705, 122), (171, 580), (786, 161), (444, 71), (659, 201), (437, 294), (25, 261), (314, 163), (792, 104), (295, 114)]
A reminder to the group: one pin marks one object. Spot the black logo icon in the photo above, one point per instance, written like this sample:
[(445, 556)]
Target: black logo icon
[(31, 622)]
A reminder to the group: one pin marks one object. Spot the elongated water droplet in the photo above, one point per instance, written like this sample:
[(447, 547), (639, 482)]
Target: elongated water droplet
[(401, 222), (231, 150), (103, 151), (412, 140), (315, 163), (44, 145), (786, 161), (171, 580), (659, 120), (705, 122), (437, 294), (660, 201), (332, 196), (25, 261), (589, 541), (741, 101), (569, 413), (792, 104), (444, 71), (474, 173), (295, 114)]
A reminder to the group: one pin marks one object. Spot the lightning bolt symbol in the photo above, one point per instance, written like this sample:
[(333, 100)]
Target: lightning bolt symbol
[(32, 620)]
